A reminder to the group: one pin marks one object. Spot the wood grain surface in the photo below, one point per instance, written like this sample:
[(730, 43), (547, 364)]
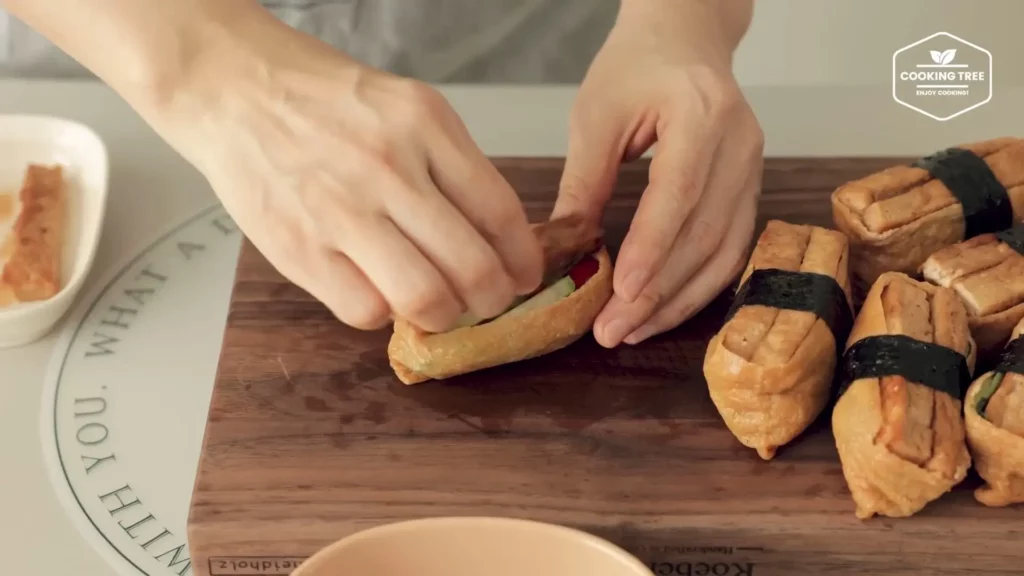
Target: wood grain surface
[(311, 437)]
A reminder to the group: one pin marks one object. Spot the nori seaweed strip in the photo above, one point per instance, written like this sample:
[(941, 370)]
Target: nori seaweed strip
[(985, 201), (804, 291), (1013, 237), (935, 366), (1012, 359)]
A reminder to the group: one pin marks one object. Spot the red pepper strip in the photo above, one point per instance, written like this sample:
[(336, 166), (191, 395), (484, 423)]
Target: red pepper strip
[(583, 270)]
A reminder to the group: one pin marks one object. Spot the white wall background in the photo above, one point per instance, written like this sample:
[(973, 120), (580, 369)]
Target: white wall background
[(850, 42), (791, 42)]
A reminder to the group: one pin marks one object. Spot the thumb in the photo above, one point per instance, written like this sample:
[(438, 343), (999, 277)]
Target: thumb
[(596, 144)]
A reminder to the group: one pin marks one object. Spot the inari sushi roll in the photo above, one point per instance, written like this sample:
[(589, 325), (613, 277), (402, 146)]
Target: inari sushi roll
[(994, 415), (897, 217), (770, 367), (987, 272), (898, 424)]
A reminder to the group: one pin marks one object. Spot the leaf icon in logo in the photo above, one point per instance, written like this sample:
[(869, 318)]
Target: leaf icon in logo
[(936, 56), (948, 55)]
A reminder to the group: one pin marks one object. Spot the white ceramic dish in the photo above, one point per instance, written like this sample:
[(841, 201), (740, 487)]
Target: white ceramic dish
[(26, 139), (468, 546)]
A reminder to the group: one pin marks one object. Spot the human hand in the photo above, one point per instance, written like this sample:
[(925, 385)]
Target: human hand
[(664, 75), (363, 188)]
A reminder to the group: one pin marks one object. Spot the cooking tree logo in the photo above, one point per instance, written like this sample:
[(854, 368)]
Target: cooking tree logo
[(942, 76)]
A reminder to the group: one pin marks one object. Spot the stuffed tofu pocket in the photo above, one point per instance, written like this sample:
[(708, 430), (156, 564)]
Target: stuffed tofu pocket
[(994, 415), (770, 367), (987, 272), (898, 423), (576, 286), (899, 216)]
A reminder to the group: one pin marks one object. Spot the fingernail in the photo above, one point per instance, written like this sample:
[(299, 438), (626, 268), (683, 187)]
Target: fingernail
[(613, 332), (524, 289), (632, 284), (524, 286), (639, 335)]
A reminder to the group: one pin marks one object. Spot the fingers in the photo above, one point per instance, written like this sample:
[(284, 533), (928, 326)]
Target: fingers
[(468, 179), (408, 281), (596, 144), (698, 240), (443, 234), (348, 293), (619, 318), (718, 271), (333, 279), (731, 177), (678, 174)]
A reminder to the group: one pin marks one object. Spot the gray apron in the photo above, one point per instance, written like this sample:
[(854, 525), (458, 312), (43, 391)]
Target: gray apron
[(443, 41)]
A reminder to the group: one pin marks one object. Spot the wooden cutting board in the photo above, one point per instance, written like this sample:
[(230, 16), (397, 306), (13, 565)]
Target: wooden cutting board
[(311, 438)]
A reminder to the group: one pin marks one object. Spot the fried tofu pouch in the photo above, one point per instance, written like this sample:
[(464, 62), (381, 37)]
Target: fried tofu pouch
[(994, 417), (769, 370), (33, 271), (902, 444), (988, 275), (897, 217), (417, 356)]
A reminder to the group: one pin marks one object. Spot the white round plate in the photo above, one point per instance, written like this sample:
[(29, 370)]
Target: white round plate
[(127, 393)]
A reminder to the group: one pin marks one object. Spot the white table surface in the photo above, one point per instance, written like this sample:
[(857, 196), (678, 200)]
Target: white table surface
[(152, 188)]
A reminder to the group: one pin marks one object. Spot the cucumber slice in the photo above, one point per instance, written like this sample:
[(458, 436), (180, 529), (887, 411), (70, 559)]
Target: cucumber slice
[(470, 319), (987, 391), (547, 296)]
